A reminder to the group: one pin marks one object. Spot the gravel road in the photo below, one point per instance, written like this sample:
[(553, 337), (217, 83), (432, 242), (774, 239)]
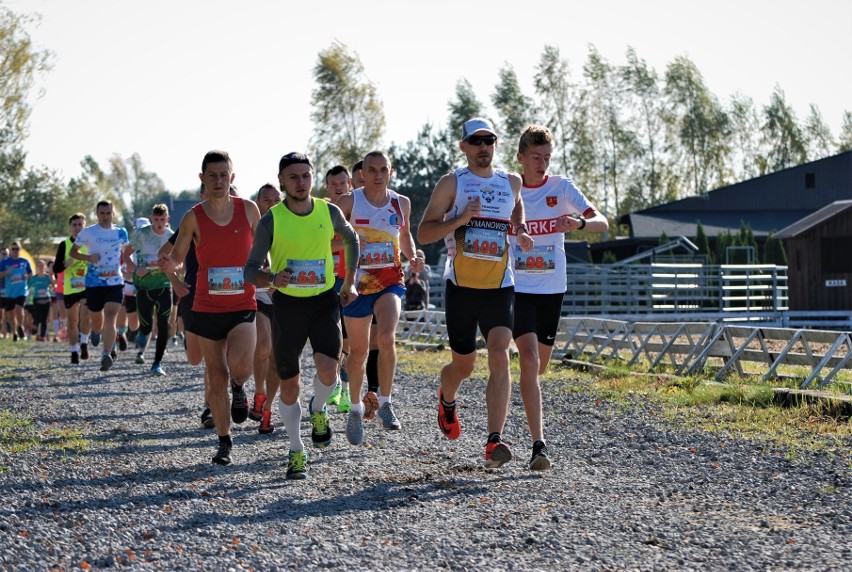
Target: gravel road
[(629, 490)]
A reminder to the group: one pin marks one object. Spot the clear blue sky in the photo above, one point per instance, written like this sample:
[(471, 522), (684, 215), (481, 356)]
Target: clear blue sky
[(171, 79)]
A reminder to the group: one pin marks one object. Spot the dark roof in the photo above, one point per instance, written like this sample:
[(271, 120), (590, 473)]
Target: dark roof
[(814, 219), (644, 224), (792, 193)]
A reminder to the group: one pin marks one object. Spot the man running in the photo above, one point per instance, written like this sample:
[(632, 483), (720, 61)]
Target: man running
[(17, 271), (380, 216), (297, 234), (72, 273), (153, 289), (474, 209), (266, 380), (553, 206), (104, 243), (222, 228)]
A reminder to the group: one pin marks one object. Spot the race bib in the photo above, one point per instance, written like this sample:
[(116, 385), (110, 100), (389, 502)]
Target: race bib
[(105, 272), (376, 255), (42, 293), (78, 282), (306, 273), (539, 260), (484, 243), (225, 280)]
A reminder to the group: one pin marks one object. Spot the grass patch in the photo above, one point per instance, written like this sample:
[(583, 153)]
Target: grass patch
[(743, 407), (18, 434)]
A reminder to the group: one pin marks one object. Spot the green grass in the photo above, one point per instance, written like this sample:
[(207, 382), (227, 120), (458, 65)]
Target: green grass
[(743, 407), (18, 434)]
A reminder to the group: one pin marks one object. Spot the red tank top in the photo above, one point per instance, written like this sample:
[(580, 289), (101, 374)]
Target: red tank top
[(222, 253)]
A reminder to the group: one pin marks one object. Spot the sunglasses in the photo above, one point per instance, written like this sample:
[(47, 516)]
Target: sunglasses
[(477, 140), (14, 248)]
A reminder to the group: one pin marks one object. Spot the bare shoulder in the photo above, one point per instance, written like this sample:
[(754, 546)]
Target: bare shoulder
[(515, 180)]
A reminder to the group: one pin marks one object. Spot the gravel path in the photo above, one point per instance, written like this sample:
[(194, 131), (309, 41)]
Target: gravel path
[(628, 491)]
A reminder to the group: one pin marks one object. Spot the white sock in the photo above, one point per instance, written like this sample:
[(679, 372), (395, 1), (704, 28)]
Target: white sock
[(357, 407), (84, 338), (321, 393), (56, 328), (383, 400), (291, 416), (75, 348), (345, 385)]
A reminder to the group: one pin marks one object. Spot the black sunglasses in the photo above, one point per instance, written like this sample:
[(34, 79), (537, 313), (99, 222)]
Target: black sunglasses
[(477, 140)]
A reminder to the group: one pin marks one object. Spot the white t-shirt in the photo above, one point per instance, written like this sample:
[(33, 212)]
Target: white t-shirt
[(542, 269), (108, 243)]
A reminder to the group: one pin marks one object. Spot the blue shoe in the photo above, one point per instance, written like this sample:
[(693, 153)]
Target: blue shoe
[(157, 369)]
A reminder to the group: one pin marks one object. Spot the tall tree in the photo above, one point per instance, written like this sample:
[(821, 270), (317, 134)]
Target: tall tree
[(749, 162), (785, 139), (818, 135), (844, 141), (348, 116), (20, 64), (702, 126), (515, 111), (643, 92), (615, 139), (553, 87), (134, 189), (417, 167)]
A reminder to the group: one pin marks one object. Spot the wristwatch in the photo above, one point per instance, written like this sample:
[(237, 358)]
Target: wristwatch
[(582, 224), (271, 278)]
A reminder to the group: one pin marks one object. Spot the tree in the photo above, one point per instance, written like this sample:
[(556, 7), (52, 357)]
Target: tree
[(20, 65), (773, 251), (745, 132), (701, 124), (465, 106), (133, 189), (818, 135), (782, 134), (702, 242), (417, 167), (844, 142), (515, 111), (348, 116), (553, 87)]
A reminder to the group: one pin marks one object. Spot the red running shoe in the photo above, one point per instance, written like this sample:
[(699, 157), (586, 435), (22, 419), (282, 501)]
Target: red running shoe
[(497, 454), (448, 421)]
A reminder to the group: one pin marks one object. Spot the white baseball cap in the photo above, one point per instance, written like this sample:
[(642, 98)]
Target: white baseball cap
[(142, 222), (471, 126)]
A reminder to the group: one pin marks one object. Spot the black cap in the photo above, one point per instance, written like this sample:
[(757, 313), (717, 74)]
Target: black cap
[(293, 158)]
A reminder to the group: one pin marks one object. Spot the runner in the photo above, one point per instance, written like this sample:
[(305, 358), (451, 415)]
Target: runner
[(473, 209), (222, 228), (39, 287), (72, 273), (553, 206), (153, 288), (297, 235), (380, 216), (338, 184), (266, 380), (4, 252), (17, 271), (104, 243)]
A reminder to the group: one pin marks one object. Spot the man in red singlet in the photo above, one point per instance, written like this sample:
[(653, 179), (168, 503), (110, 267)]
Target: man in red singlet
[(222, 228)]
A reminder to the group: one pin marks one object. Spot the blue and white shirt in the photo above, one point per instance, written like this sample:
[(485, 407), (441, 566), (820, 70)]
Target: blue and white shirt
[(108, 243)]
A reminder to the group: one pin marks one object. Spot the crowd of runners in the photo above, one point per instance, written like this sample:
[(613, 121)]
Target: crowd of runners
[(246, 285)]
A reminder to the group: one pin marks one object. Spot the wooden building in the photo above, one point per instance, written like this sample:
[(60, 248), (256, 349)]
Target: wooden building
[(819, 259)]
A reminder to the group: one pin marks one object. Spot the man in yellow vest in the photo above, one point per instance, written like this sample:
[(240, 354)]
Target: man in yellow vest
[(297, 235), (72, 272)]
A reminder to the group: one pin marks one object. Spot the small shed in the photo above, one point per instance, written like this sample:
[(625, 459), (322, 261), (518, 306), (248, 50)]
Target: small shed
[(819, 258)]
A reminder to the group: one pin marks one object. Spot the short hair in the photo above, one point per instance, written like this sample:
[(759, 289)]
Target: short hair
[(76, 216), (357, 166), (372, 154), (104, 203), (336, 170), (15, 243), (160, 210), (216, 156), (533, 136), (266, 186)]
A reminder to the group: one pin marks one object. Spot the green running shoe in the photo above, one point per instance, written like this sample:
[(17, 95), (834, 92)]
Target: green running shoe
[(345, 401), (334, 398), (297, 462), (321, 433)]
